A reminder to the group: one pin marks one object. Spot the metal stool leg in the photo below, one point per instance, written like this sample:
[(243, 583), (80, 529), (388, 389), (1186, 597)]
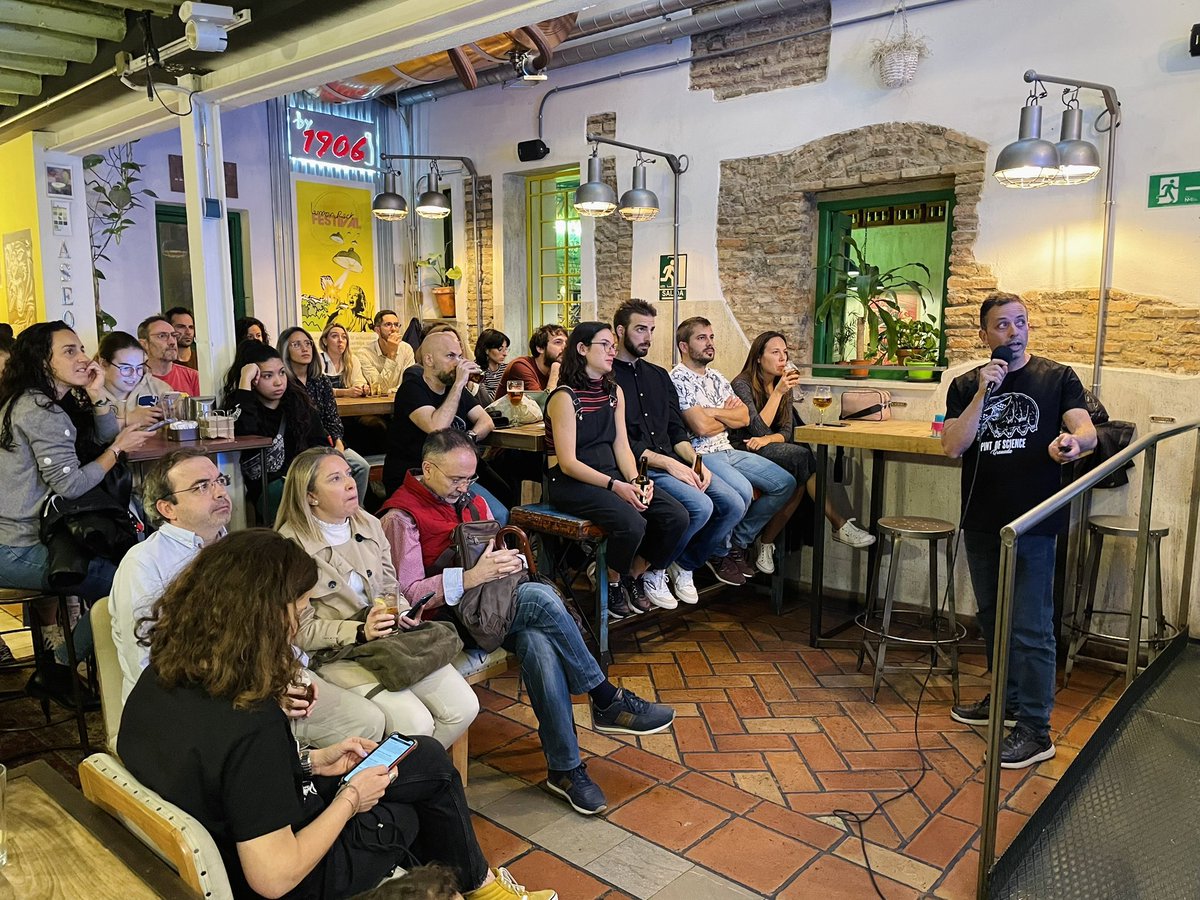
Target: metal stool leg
[(1157, 625), (1083, 613), (871, 600), (889, 599), (602, 603), (72, 663), (933, 601), (950, 615)]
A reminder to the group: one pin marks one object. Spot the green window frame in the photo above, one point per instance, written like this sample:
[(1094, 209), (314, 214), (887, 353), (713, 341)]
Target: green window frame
[(168, 220), (552, 248)]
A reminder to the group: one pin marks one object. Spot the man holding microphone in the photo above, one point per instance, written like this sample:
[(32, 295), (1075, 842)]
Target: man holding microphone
[(1015, 421)]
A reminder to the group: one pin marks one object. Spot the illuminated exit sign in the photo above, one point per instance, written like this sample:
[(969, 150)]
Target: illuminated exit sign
[(335, 141)]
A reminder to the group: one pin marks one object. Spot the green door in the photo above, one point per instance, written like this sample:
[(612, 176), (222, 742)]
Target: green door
[(174, 259)]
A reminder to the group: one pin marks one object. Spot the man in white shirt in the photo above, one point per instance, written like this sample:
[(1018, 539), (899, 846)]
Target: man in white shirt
[(710, 408), (384, 360), (185, 496)]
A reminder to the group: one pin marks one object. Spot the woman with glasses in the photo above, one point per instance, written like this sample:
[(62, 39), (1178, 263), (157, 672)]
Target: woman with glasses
[(321, 512), (302, 363), (592, 469), (128, 384)]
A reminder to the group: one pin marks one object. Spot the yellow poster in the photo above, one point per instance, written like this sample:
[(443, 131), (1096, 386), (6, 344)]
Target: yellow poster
[(336, 254)]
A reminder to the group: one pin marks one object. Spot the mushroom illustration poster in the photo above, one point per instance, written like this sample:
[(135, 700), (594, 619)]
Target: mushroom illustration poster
[(335, 252)]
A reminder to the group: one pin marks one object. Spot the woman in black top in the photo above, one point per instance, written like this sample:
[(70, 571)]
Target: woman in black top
[(592, 470), (303, 363), (273, 406), (203, 727)]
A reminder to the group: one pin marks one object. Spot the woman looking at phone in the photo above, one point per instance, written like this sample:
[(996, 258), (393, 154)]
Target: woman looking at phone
[(592, 470), (203, 727), (128, 384), (320, 511), (765, 386)]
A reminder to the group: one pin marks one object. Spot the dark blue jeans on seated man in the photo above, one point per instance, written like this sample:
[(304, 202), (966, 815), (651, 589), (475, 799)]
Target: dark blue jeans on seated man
[(1031, 659), (555, 664), (712, 515)]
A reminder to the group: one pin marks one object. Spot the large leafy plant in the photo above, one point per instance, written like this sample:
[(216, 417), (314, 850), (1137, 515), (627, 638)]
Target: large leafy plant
[(114, 192), (870, 294), (436, 263)]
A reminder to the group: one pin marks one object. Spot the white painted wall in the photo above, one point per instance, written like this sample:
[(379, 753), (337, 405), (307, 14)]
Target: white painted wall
[(130, 291)]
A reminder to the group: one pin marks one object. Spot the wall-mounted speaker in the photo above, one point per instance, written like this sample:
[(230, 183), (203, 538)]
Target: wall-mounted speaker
[(531, 151)]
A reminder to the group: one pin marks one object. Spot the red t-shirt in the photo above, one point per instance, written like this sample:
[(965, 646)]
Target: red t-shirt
[(183, 379), (523, 368)]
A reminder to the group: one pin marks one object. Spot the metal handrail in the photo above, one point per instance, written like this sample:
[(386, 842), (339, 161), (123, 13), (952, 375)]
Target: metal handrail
[(1009, 537)]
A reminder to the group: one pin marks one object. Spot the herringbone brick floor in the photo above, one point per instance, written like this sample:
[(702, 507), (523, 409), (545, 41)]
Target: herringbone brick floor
[(771, 736)]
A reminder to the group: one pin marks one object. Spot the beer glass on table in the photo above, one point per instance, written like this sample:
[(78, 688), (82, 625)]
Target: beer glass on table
[(822, 400), (516, 392)]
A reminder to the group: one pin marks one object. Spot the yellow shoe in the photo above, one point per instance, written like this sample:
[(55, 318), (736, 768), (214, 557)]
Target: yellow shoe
[(505, 887)]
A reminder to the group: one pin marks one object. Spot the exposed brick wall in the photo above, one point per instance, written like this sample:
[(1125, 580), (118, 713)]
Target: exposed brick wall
[(613, 242), (485, 239), (767, 219), (786, 64)]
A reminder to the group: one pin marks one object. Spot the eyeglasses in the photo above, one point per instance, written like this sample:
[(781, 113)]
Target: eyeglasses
[(456, 481), (163, 335), (203, 488), (126, 371), (299, 345), (607, 345)]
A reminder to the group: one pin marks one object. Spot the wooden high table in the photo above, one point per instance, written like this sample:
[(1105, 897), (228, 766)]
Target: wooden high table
[(60, 845), (882, 439), (353, 407)]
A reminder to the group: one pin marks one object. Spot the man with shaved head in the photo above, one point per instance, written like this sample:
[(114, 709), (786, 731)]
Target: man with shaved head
[(437, 398)]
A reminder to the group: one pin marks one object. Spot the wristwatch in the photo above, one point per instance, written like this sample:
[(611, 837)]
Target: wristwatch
[(306, 762), (473, 436)]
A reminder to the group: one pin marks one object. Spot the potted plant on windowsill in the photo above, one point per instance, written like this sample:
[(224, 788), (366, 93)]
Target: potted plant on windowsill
[(443, 281), (917, 343), (868, 296)]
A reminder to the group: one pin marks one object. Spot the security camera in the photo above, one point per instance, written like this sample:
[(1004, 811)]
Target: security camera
[(206, 12), (205, 24)]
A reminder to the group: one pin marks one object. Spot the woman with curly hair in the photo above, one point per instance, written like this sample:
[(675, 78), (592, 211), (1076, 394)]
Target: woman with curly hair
[(203, 727)]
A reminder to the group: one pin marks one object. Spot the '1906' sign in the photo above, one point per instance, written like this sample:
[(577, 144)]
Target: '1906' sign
[(333, 140)]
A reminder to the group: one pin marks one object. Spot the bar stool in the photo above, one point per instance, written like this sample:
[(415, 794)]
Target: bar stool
[(38, 663), (1080, 626), (943, 634)]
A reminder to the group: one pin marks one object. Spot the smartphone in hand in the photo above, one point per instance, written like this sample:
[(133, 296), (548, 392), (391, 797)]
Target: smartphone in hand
[(393, 749)]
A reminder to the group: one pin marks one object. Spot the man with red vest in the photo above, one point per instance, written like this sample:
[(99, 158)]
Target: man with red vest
[(555, 663)]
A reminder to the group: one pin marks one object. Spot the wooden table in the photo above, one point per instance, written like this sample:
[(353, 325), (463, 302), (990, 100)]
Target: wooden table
[(352, 407), (518, 437), (61, 846), (881, 438)]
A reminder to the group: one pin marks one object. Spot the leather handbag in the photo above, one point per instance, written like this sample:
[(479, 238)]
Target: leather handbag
[(866, 406), (487, 611)]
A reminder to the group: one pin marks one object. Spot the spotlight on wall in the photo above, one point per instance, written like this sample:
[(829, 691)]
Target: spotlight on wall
[(433, 204), (205, 25), (388, 205), (639, 204), (1029, 161), (1078, 160), (594, 197)]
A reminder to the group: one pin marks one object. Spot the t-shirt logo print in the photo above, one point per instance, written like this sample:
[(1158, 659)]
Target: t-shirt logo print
[(1009, 416)]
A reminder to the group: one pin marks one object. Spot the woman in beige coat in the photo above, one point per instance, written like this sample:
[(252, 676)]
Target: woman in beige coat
[(320, 511)]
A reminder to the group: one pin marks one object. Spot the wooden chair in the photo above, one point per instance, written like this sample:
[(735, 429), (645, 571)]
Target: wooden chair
[(108, 667), (181, 841), (475, 671)]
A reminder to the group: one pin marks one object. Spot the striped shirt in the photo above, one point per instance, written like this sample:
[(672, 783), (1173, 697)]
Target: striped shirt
[(589, 400)]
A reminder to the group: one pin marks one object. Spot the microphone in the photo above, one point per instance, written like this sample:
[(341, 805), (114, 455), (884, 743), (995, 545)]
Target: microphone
[(1002, 352)]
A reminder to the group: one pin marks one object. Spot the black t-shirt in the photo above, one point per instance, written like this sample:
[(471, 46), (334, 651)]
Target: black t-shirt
[(236, 771), (1020, 420), (405, 439)]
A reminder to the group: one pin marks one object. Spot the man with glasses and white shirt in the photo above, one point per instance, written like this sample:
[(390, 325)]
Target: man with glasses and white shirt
[(384, 360), (186, 496), (158, 338)]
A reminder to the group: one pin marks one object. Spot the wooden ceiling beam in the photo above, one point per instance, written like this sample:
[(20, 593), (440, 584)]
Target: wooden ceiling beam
[(162, 8), (65, 16), (20, 83), (9, 99), (39, 42), (37, 65)]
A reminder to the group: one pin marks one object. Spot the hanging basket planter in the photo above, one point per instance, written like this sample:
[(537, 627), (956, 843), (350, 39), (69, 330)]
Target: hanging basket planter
[(895, 58)]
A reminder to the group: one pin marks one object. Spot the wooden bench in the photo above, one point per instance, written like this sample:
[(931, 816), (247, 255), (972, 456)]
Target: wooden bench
[(475, 672)]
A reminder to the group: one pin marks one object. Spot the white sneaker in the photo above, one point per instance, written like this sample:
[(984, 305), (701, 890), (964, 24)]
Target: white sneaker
[(681, 580), (766, 559), (654, 583), (854, 536)]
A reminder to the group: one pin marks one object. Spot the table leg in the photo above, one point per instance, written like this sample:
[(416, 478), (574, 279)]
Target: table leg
[(262, 498), (875, 503), (818, 560)]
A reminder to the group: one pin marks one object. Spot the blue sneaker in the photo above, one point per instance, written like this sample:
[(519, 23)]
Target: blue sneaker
[(630, 714), (578, 789)]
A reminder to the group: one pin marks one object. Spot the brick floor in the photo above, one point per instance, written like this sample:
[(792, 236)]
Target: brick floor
[(770, 738)]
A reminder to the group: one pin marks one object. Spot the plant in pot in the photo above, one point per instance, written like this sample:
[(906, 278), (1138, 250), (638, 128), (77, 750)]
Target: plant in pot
[(866, 295), (442, 281), (895, 57), (917, 343)]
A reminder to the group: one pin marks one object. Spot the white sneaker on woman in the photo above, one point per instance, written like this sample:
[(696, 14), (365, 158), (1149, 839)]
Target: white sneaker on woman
[(681, 579), (851, 534), (766, 559), (654, 584)]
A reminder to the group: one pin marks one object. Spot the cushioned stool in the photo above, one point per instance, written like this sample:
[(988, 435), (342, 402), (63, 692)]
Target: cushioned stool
[(941, 635), (1080, 626)]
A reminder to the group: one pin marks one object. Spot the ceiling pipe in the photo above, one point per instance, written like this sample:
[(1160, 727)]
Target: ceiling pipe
[(587, 25), (686, 26)]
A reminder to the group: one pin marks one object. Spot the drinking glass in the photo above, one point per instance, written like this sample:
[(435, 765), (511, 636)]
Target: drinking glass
[(170, 405), (822, 400), (516, 392)]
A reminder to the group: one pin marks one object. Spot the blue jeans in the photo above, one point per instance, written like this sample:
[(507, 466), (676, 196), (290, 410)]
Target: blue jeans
[(746, 471), (25, 567), (555, 664), (499, 510), (712, 516), (1030, 689)]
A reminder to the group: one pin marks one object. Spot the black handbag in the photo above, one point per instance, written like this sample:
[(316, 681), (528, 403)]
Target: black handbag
[(96, 524)]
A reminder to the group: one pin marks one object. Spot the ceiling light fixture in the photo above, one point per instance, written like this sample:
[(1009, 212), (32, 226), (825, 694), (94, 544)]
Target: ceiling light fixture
[(639, 204), (389, 206), (433, 204), (594, 197)]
